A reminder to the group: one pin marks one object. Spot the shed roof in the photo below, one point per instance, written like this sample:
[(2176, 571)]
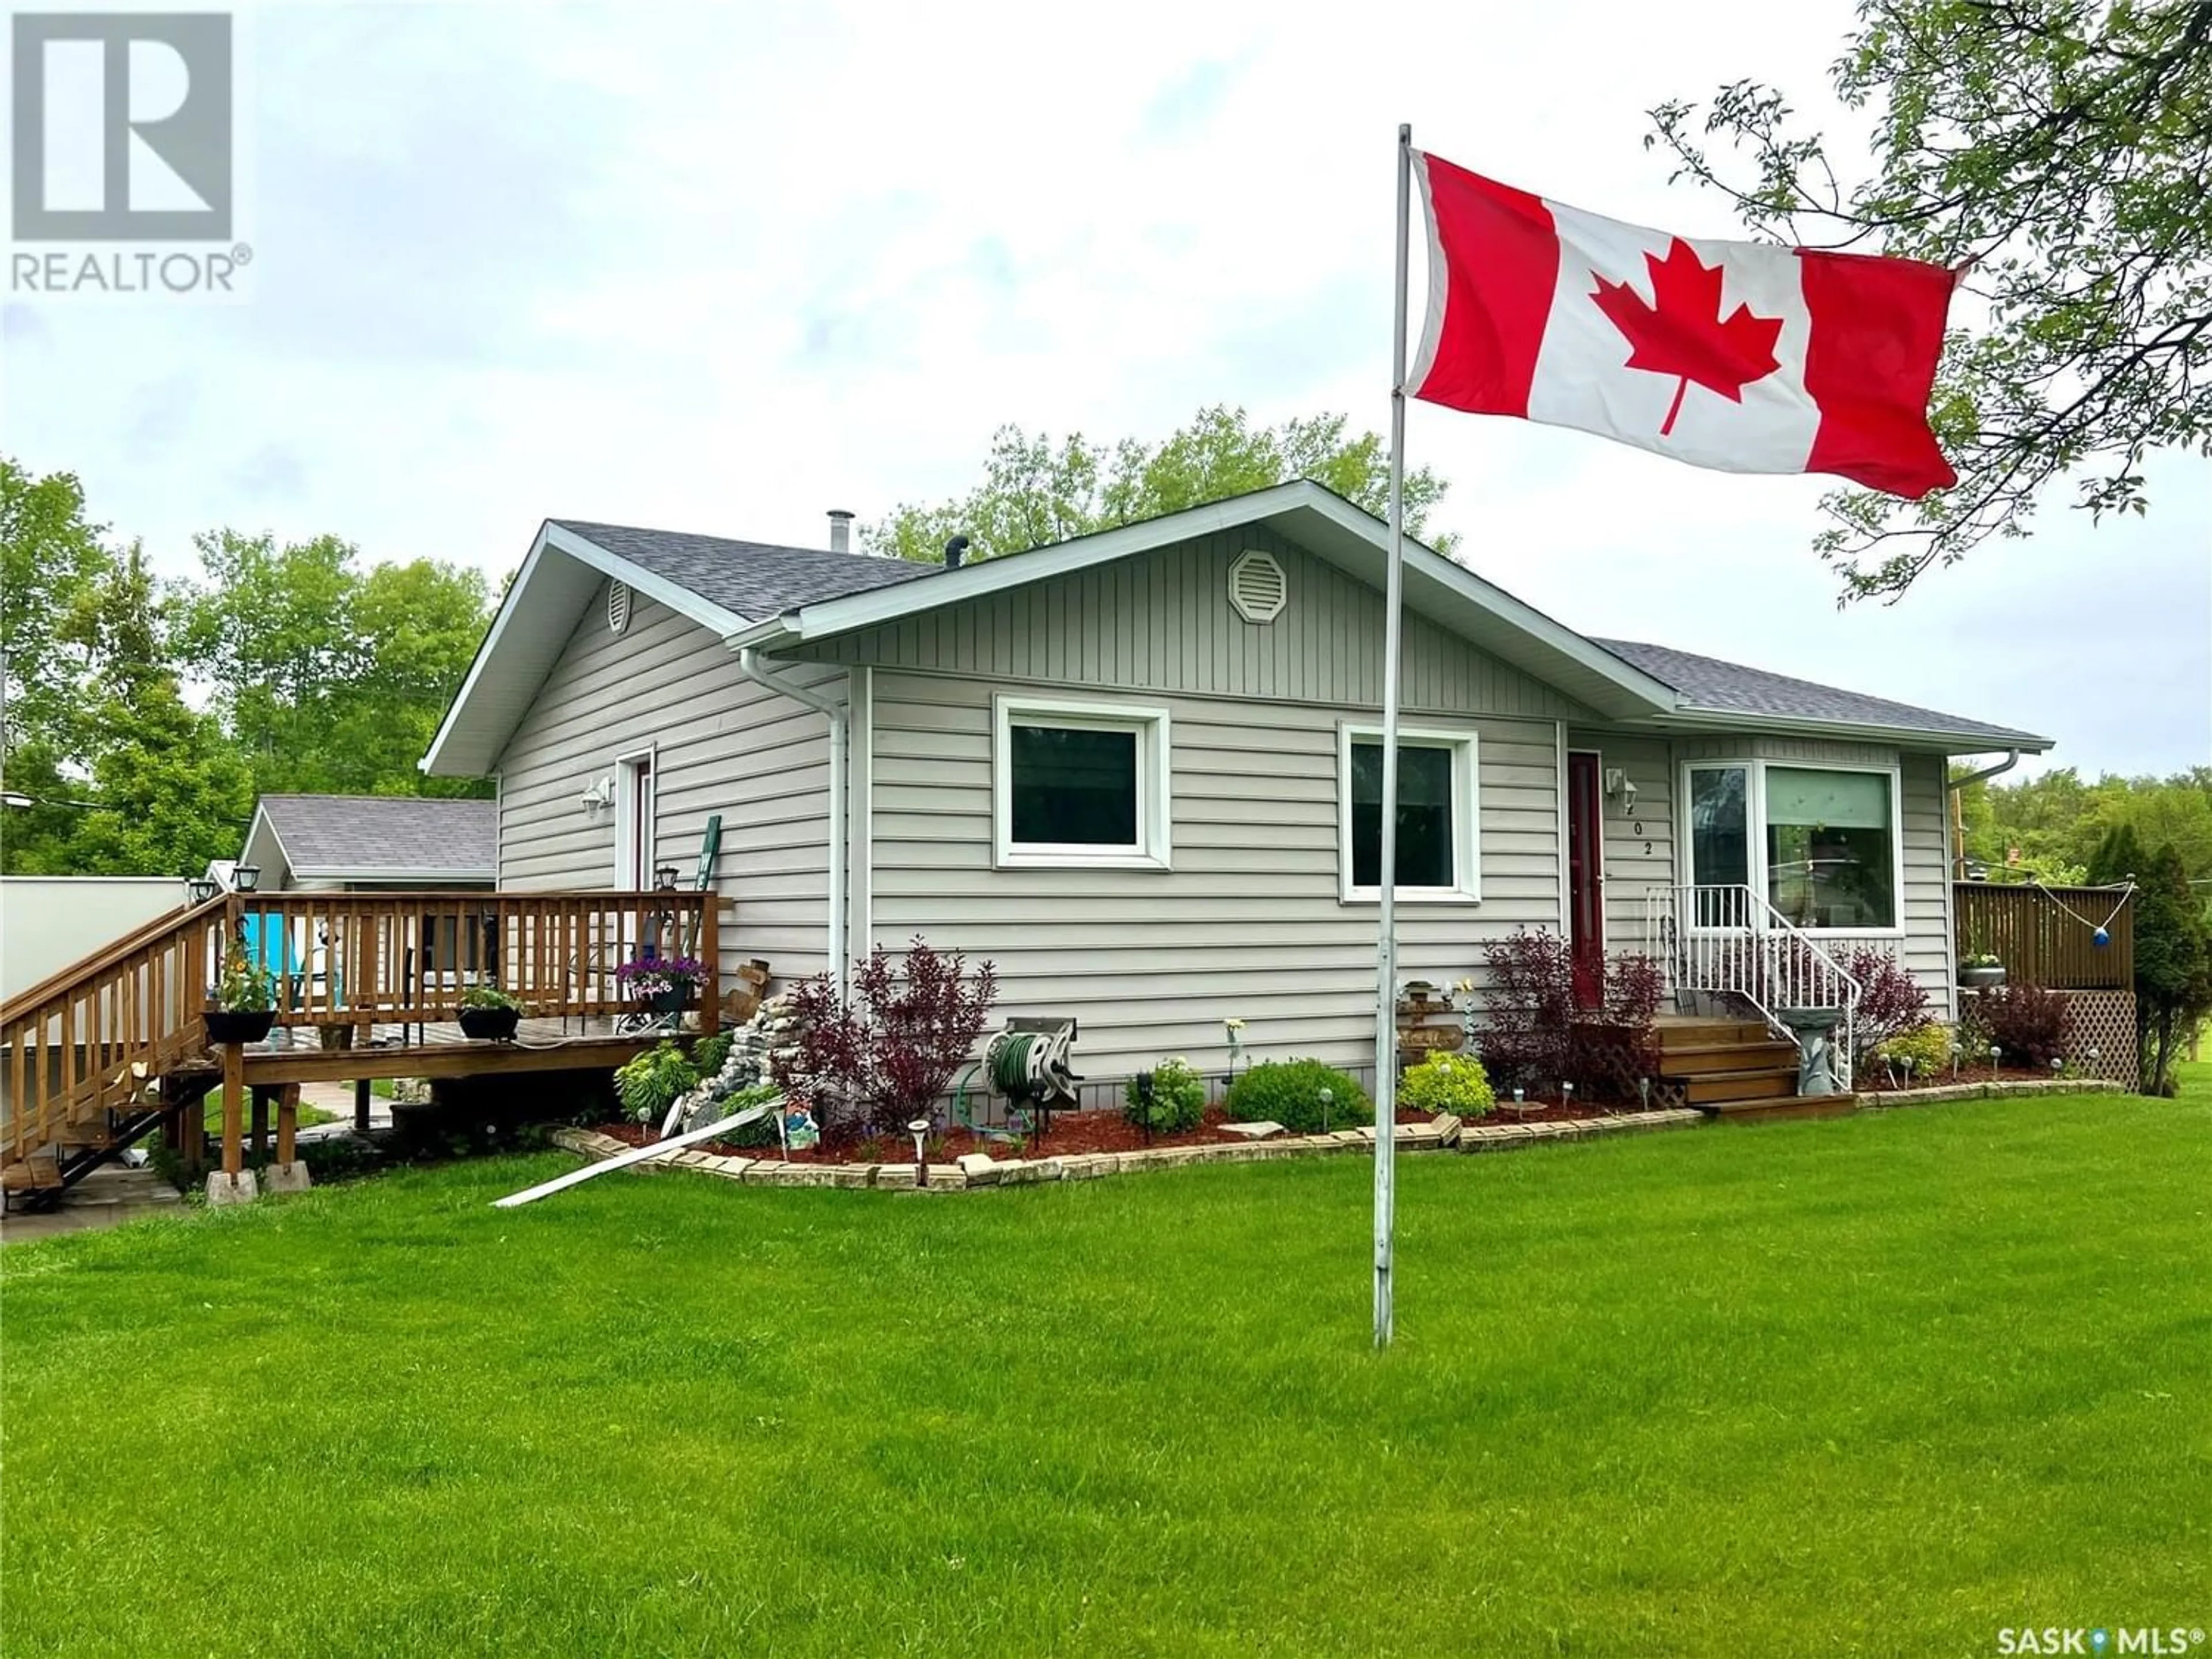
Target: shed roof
[(384, 837)]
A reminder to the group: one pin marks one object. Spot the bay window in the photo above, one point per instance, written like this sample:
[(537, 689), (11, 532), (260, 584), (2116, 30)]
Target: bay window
[(1818, 843)]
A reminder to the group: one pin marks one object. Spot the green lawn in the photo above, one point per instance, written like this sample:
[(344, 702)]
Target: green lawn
[(1886, 1384), (309, 1115)]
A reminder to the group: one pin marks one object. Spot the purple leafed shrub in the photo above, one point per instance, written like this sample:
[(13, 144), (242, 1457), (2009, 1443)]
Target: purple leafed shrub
[(1891, 1001), (1535, 1034), (2025, 1021), (868, 1066)]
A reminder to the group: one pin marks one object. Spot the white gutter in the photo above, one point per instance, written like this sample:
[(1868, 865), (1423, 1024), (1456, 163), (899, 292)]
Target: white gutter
[(2004, 765), (840, 737)]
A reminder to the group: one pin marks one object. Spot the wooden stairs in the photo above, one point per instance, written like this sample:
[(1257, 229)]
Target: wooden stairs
[(1736, 1069)]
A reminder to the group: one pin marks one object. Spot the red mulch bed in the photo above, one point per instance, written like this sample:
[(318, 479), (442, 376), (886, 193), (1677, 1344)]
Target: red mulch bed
[(1072, 1133)]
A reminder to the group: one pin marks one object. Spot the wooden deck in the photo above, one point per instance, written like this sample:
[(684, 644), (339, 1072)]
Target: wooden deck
[(88, 1055)]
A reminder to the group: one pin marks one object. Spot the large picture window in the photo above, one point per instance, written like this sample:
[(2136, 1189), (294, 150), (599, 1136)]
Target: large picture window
[(1818, 843), (1435, 815), (1080, 784)]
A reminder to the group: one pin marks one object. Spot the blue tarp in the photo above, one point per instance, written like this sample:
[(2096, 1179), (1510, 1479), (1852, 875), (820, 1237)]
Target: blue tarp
[(269, 944)]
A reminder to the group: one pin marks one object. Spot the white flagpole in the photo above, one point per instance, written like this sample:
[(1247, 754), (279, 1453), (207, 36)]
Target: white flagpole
[(1386, 995)]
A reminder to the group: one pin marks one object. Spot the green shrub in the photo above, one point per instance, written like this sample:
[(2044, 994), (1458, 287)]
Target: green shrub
[(1446, 1082), (708, 1052), (1288, 1093), (1927, 1045), (652, 1082), (1178, 1098), (761, 1132)]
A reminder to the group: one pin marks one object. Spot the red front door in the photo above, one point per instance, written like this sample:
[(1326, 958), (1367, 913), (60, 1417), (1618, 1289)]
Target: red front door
[(1586, 879)]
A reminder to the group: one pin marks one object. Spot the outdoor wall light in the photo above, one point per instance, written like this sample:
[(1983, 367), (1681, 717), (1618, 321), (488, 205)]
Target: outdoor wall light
[(200, 890), (919, 1130), (1620, 789), (245, 877)]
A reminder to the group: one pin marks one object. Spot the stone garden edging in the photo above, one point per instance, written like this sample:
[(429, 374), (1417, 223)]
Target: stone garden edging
[(978, 1170), (1944, 1093), (1444, 1132)]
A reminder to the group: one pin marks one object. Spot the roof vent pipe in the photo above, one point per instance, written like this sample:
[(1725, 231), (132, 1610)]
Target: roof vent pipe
[(841, 531), (955, 551)]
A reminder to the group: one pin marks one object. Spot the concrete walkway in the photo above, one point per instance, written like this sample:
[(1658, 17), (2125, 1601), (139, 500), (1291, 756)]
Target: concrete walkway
[(106, 1198)]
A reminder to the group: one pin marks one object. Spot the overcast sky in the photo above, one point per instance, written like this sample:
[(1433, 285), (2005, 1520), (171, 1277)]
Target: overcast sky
[(720, 270)]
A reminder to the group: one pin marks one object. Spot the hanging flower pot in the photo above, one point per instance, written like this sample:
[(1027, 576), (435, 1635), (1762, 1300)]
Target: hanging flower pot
[(238, 1024)]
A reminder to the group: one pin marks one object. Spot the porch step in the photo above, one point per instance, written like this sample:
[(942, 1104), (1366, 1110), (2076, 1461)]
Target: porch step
[(1695, 1032), (1778, 1110), (37, 1173), (1707, 1089), (1698, 1059)]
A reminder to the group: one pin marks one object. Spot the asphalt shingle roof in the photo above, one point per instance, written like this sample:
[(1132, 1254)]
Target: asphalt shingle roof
[(386, 835), (757, 580), (754, 580), (1731, 688)]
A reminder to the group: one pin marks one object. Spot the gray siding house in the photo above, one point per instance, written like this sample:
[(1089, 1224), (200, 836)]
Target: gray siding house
[(1137, 770)]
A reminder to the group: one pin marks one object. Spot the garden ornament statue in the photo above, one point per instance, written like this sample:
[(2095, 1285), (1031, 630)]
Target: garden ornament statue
[(796, 1129)]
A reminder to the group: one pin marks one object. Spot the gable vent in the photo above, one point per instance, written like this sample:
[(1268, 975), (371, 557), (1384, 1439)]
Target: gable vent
[(617, 606), (1257, 587)]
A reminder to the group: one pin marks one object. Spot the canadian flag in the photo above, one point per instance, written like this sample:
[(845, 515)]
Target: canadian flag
[(1732, 354)]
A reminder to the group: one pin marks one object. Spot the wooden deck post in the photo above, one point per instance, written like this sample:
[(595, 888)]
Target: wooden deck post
[(233, 1109), (710, 958), (288, 1121), (259, 1094), (360, 1108)]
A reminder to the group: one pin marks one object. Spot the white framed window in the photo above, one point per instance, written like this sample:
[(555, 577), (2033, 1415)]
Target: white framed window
[(1817, 840), (1438, 838), (1079, 784)]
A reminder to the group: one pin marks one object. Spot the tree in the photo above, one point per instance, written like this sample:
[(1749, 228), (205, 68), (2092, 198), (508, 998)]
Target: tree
[(2173, 967), (1035, 491), (2058, 150), (328, 678), (169, 793)]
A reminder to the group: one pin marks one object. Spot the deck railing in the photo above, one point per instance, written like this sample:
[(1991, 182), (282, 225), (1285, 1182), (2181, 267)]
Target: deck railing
[(85, 1042), (2046, 936), (1728, 941)]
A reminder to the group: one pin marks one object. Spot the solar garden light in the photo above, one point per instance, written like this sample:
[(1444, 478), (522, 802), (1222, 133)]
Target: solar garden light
[(1145, 1087), (1996, 1054), (1956, 1051), (2093, 1058), (2058, 1065), (1520, 1096), (1644, 1091), (1327, 1097), (919, 1130), (1566, 1092)]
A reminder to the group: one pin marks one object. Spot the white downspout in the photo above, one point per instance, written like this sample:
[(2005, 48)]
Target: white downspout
[(1951, 814), (840, 717)]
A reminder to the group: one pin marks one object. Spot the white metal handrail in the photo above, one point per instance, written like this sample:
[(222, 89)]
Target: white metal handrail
[(1728, 940)]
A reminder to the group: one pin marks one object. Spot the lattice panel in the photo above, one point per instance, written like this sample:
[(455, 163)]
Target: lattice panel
[(2104, 1021)]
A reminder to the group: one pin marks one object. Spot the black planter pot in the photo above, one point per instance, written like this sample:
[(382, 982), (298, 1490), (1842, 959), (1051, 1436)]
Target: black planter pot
[(669, 1002), (490, 1024), (249, 1026)]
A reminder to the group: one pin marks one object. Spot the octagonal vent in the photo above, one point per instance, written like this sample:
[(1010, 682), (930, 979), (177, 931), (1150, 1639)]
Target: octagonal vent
[(1257, 587), (617, 606)]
